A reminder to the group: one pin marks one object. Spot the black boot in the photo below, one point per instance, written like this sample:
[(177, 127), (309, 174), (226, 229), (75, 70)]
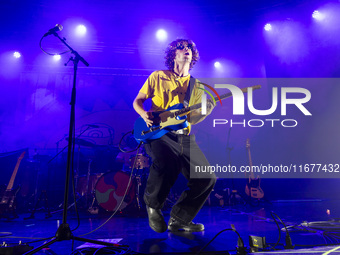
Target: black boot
[(156, 220), (175, 225)]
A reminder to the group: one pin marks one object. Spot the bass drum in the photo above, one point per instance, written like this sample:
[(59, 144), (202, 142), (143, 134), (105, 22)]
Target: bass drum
[(110, 189), (86, 184)]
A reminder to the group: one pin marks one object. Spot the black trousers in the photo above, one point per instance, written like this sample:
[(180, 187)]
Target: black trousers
[(172, 154)]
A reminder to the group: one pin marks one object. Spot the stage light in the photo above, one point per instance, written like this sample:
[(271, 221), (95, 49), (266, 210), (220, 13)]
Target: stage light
[(81, 30), (161, 35), (318, 15), (17, 54), (217, 65), (56, 57), (268, 27)]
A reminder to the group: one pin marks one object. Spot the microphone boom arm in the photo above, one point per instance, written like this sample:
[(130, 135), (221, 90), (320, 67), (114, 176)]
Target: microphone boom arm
[(75, 53)]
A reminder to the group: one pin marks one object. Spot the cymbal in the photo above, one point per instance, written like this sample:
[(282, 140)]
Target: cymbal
[(82, 142)]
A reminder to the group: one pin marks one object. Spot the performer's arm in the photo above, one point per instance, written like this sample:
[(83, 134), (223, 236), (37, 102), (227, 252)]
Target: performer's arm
[(196, 116), (138, 105)]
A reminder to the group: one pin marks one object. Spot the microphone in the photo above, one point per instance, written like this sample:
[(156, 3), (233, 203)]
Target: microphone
[(57, 28)]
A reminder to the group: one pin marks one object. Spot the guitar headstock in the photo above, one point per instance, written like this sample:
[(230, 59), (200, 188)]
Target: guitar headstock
[(22, 155), (248, 143)]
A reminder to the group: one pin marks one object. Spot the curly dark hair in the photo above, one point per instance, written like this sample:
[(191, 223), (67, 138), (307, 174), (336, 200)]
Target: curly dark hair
[(170, 53)]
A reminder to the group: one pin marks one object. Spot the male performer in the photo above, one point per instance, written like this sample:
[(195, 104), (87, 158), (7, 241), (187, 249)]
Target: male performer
[(175, 151)]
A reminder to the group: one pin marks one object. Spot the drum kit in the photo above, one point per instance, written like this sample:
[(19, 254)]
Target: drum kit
[(116, 189)]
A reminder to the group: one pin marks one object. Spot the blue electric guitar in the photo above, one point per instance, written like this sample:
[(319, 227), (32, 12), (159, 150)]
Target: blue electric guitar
[(173, 118)]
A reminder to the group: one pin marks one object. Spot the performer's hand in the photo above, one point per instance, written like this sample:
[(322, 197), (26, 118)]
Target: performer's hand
[(210, 107), (147, 117)]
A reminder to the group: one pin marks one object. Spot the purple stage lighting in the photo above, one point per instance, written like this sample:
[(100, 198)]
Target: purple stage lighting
[(81, 30), (318, 15), (268, 27), (17, 54), (161, 35), (217, 65), (56, 57)]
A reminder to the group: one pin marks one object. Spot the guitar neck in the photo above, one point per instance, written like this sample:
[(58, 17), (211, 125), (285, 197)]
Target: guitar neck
[(250, 161), (11, 181), (198, 106)]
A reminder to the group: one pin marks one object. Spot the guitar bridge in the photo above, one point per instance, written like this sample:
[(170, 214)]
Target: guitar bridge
[(152, 129)]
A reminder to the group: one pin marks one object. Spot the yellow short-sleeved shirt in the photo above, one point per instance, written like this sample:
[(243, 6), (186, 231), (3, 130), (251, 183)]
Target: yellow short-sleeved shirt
[(165, 90)]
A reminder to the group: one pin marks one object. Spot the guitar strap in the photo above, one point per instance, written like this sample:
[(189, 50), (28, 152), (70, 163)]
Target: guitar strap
[(189, 91)]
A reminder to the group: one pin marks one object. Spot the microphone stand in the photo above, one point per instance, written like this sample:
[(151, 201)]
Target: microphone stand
[(64, 232)]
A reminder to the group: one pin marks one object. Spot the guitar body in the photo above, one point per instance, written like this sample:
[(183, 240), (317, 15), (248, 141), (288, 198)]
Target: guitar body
[(7, 203), (253, 189), (164, 123), (7, 196)]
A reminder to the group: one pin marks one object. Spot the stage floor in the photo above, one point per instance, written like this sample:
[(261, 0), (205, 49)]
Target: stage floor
[(130, 228)]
